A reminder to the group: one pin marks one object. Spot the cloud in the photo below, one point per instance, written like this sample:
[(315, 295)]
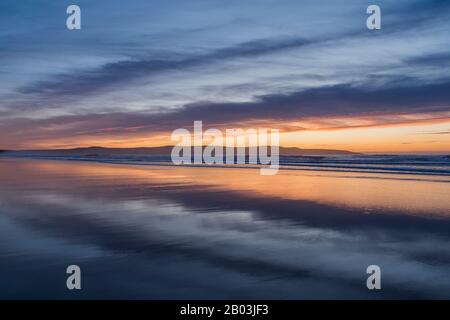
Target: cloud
[(348, 82), (78, 84), (440, 59), (376, 103), (440, 132), (327, 101), (85, 82)]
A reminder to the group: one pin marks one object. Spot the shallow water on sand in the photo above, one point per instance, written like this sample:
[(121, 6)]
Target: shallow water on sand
[(181, 233)]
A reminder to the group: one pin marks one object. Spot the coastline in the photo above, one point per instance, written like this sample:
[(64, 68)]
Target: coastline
[(441, 168)]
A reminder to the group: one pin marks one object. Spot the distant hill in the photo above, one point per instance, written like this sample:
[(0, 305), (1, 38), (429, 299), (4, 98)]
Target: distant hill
[(313, 152), (165, 150)]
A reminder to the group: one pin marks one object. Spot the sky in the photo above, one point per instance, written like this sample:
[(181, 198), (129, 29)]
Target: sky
[(137, 70)]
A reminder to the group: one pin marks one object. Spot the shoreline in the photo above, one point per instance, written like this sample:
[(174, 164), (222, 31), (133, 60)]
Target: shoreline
[(282, 167)]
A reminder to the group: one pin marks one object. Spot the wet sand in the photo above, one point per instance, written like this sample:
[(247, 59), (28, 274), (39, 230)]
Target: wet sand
[(161, 232)]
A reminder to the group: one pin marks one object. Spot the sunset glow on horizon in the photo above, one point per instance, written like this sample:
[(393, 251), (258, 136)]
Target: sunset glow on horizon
[(421, 137)]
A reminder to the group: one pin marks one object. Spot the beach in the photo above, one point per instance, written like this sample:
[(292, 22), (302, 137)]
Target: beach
[(167, 232)]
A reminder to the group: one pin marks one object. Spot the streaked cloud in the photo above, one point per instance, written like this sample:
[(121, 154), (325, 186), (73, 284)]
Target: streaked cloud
[(161, 66)]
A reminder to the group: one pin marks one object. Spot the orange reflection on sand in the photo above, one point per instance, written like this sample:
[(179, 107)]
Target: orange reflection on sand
[(368, 192)]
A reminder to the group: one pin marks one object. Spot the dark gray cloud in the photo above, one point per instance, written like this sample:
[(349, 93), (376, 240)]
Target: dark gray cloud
[(339, 100), (441, 60), (85, 82), (440, 132), (328, 101)]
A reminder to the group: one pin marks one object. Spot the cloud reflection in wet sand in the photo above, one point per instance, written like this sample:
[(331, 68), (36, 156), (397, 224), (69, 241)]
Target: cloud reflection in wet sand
[(165, 232)]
